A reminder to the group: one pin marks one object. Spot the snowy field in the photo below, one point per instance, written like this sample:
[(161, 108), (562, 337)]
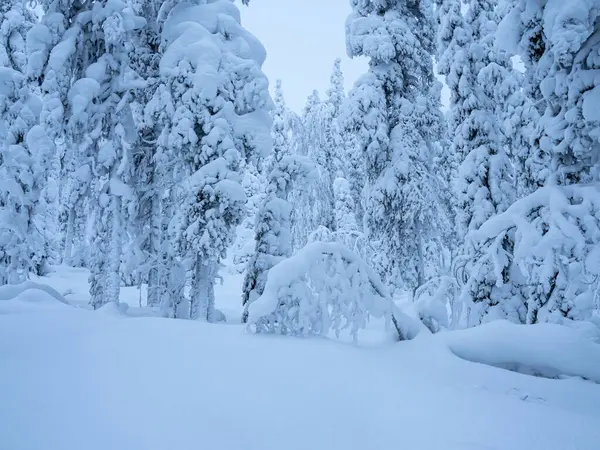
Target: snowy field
[(74, 379)]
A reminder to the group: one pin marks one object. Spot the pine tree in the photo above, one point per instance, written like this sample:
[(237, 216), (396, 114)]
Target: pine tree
[(253, 183), (322, 140), (402, 204), (347, 231), (15, 21), (453, 41), (363, 119), (478, 75)]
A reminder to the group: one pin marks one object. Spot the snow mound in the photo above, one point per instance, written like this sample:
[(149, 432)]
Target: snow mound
[(544, 350), (21, 298), (114, 309), (14, 291)]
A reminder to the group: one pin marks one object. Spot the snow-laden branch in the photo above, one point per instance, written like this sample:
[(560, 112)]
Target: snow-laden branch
[(325, 287)]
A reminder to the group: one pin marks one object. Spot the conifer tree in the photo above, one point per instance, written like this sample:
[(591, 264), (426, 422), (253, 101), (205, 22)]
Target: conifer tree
[(401, 204), (25, 153), (215, 117), (551, 276)]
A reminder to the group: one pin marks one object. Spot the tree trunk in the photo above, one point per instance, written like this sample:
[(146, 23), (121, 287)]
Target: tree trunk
[(156, 272), (69, 235), (113, 275), (202, 293)]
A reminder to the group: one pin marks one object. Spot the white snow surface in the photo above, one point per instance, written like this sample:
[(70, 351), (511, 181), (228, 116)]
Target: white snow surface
[(75, 379)]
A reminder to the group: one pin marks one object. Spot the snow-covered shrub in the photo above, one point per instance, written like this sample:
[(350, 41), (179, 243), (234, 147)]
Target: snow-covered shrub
[(323, 288)]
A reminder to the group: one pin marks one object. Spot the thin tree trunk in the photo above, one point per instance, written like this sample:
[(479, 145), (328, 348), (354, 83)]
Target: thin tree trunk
[(113, 275), (156, 272), (69, 235)]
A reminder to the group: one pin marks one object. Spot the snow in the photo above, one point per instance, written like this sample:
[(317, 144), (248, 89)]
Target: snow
[(591, 100), (93, 380), (82, 93), (546, 349)]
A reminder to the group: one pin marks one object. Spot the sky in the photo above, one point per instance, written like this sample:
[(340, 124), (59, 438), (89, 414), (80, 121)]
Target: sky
[(302, 38)]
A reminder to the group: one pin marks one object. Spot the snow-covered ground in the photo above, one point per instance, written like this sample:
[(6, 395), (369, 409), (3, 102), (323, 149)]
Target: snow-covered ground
[(74, 379)]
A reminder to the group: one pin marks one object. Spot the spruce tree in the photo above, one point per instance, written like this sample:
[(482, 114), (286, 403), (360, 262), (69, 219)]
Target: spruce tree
[(217, 100), (25, 153), (402, 202), (555, 228)]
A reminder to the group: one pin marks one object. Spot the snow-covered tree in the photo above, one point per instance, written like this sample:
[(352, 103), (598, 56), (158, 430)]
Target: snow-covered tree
[(21, 242), (150, 172), (26, 154), (273, 235), (318, 202), (55, 62), (217, 100), (363, 119), (520, 126), (103, 129), (321, 138), (453, 41), (334, 135), (243, 248), (344, 210), (484, 185), (323, 288), (402, 197), (477, 74), (553, 266), (15, 21)]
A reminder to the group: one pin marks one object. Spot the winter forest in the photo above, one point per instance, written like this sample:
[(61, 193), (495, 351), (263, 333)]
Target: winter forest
[(142, 145)]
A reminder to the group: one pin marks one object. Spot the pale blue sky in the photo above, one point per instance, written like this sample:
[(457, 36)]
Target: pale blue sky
[(302, 38)]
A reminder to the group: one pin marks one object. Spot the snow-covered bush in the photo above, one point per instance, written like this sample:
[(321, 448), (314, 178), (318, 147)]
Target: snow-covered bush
[(323, 288)]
